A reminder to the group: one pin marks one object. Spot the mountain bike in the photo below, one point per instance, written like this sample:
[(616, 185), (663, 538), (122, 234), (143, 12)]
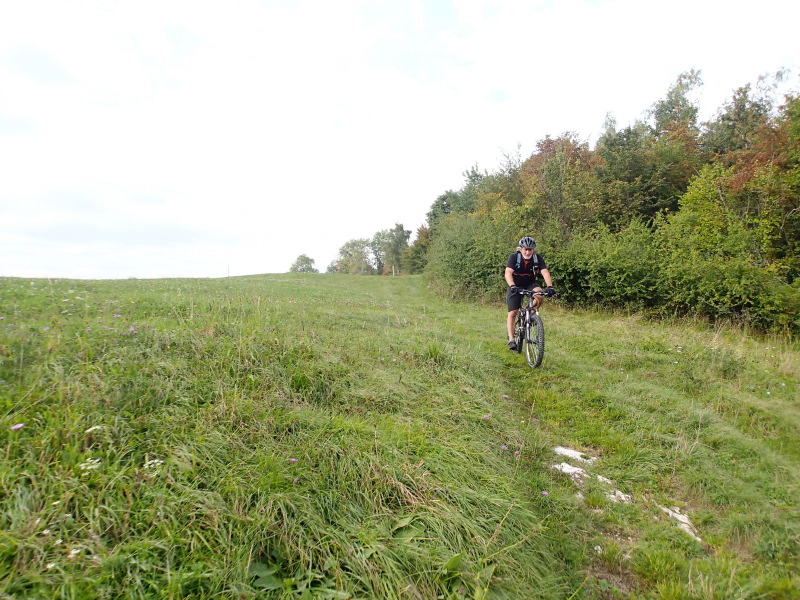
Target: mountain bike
[(529, 329)]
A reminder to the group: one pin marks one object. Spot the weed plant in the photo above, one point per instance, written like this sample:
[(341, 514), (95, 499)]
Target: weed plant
[(316, 436)]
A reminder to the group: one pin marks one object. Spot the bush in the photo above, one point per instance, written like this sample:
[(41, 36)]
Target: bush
[(726, 279), (468, 256), (616, 269), (689, 264)]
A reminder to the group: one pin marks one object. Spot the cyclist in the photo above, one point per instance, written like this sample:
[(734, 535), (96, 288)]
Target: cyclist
[(522, 271)]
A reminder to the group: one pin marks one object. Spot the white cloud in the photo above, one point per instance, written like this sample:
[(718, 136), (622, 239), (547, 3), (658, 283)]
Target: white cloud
[(232, 138)]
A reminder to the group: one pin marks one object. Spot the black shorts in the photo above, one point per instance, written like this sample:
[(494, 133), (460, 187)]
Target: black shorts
[(514, 300)]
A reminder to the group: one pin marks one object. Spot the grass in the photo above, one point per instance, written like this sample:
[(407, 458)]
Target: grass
[(314, 436)]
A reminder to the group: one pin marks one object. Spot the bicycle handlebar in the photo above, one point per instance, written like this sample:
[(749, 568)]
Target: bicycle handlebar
[(524, 292)]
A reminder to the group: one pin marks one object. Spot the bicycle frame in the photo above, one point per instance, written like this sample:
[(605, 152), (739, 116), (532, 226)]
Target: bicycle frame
[(529, 329)]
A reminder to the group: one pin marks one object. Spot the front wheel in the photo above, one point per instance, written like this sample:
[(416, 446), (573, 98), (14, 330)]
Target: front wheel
[(519, 330), (534, 341)]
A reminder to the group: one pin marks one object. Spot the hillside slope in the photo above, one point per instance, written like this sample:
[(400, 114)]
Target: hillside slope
[(318, 436)]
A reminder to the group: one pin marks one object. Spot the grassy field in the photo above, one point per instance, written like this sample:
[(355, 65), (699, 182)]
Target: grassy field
[(316, 436)]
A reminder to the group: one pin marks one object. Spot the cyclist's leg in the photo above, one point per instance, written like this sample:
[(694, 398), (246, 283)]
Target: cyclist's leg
[(513, 301), (537, 300), (512, 316)]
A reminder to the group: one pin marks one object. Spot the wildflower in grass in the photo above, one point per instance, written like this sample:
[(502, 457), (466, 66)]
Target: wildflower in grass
[(505, 396), (545, 493), (117, 316), (516, 452), (50, 566), (88, 329), (504, 447), (296, 480), (74, 552), (17, 426), (487, 416), (292, 460), (45, 329), (153, 463)]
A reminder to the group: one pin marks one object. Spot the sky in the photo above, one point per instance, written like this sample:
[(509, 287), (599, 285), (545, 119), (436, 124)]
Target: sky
[(188, 138)]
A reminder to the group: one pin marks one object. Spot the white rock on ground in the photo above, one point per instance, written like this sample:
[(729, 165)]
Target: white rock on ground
[(570, 453), (619, 497), (684, 521), (578, 475)]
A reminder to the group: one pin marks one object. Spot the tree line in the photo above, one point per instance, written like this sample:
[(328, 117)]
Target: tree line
[(383, 254), (669, 214)]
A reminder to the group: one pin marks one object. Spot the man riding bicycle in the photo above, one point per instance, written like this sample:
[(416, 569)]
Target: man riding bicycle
[(522, 271)]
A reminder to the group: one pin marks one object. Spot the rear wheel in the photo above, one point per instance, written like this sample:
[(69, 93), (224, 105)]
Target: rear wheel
[(534, 341)]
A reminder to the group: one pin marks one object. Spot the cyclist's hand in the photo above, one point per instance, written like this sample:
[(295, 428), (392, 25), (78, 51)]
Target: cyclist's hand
[(514, 289), (549, 291)]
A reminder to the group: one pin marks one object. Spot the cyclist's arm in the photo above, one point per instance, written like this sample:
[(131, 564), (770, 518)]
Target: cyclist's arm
[(509, 276), (548, 281)]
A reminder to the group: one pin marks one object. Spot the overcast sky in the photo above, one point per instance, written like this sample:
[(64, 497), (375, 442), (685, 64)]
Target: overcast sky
[(181, 138)]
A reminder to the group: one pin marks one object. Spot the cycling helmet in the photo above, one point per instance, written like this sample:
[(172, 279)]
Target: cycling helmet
[(527, 242)]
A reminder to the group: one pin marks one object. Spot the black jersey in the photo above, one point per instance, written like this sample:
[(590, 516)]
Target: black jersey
[(525, 271)]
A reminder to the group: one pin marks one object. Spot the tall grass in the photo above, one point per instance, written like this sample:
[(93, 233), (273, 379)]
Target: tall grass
[(313, 436)]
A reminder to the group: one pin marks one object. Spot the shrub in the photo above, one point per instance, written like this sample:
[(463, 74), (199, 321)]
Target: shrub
[(618, 269), (468, 256)]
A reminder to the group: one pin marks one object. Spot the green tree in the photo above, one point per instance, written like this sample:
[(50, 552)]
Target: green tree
[(415, 256), (737, 123), (645, 169), (625, 173), (463, 201), (377, 247), (354, 258), (394, 248), (387, 249), (560, 184), (677, 109), (303, 264), (443, 205), (674, 151)]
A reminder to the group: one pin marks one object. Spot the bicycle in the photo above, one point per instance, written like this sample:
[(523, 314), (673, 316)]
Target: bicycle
[(529, 329)]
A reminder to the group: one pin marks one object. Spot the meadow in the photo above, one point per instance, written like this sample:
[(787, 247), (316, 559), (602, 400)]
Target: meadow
[(334, 436)]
